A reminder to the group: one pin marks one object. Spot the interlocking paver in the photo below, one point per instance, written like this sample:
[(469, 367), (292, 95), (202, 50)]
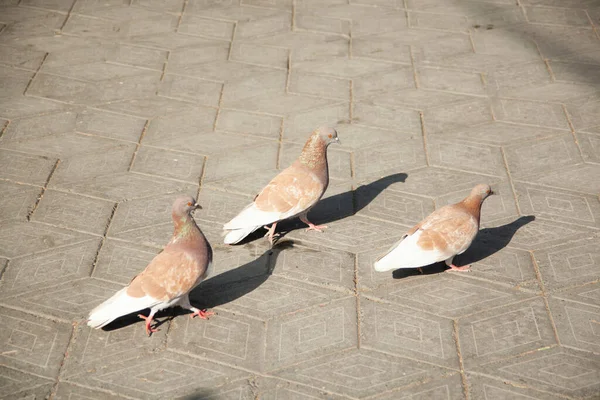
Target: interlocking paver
[(108, 110)]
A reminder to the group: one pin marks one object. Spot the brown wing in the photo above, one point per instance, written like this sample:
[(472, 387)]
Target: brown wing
[(169, 275), (293, 188), (449, 228)]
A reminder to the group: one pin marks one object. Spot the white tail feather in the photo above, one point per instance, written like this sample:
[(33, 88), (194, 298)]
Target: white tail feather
[(117, 306), (236, 235)]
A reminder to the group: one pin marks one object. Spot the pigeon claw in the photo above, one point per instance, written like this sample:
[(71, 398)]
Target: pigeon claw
[(202, 314), (149, 329), (455, 268), (318, 228)]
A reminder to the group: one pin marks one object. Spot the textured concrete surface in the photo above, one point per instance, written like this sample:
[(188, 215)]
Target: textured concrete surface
[(110, 108)]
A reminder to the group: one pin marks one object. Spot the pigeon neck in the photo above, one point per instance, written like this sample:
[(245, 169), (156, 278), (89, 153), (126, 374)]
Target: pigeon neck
[(185, 227), (313, 154), (473, 205)]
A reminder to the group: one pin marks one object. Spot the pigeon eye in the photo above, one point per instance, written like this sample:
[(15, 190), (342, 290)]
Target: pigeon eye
[(189, 204), (330, 135)]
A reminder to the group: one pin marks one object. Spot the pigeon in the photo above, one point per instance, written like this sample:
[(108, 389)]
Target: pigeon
[(170, 276), (439, 237), (291, 193)]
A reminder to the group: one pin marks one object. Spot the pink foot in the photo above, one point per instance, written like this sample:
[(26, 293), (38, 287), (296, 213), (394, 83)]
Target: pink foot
[(270, 232), (455, 268), (202, 314), (313, 227), (149, 330)]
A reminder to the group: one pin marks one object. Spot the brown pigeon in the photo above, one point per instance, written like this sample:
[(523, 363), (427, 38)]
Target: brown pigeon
[(439, 237), (291, 193), (170, 276)]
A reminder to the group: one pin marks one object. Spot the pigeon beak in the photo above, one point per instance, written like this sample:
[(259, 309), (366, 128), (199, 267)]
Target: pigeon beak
[(491, 192), (196, 206), (337, 140)]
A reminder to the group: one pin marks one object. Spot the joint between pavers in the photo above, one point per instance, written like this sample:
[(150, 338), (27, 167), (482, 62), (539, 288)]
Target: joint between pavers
[(461, 363), (62, 363), (35, 206), (139, 143), (35, 74)]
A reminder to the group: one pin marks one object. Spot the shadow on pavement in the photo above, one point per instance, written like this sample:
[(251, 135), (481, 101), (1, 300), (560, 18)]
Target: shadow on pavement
[(487, 242), (336, 207), (218, 290)]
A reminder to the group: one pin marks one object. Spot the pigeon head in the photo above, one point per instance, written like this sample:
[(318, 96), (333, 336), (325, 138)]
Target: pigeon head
[(184, 205), (328, 135), (481, 191)]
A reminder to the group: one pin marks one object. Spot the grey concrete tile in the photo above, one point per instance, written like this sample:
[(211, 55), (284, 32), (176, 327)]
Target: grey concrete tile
[(558, 205), (576, 322), (126, 186), (590, 146), (40, 126), (487, 388), (22, 385), (320, 331), (581, 178), (537, 234), (542, 155), (556, 370), (450, 80), (323, 24), (386, 117), (109, 125), (448, 294), (17, 201), (211, 28), (65, 391), (321, 86), (457, 116), (226, 338), (168, 164), (249, 123), (22, 238), (268, 56), (464, 156), (239, 91), (80, 168), (401, 331), (569, 264), (373, 200), (26, 168), (334, 269), (74, 212), (33, 345), (51, 267), (360, 372), (16, 57), (192, 120), (503, 332), (191, 89), (119, 262)]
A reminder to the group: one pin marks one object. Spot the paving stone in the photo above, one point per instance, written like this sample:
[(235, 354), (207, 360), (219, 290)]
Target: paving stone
[(555, 152), (22, 238), (187, 88), (22, 385), (68, 391), (472, 157), (74, 211), (17, 201), (505, 331), (572, 178), (577, 322), (556, 370), (558, 205), (590, 146), (249, 123), (457, 116), (33, 345), (485, 387), (359, 372), (51, 267), (404, 332), (169, 164), (567, 265)]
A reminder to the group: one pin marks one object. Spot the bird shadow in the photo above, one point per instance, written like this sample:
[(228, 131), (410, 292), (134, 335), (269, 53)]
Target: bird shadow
[(218, 290), (488, 241), (336, 207)]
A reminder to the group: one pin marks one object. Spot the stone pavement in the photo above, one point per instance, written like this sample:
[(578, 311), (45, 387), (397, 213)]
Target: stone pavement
[(110, 108)]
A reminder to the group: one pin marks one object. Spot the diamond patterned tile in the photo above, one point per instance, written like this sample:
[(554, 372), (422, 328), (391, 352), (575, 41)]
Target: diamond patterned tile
[(503, 332), (359, 372), (31, 344), (570, 264), (556, 370)]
